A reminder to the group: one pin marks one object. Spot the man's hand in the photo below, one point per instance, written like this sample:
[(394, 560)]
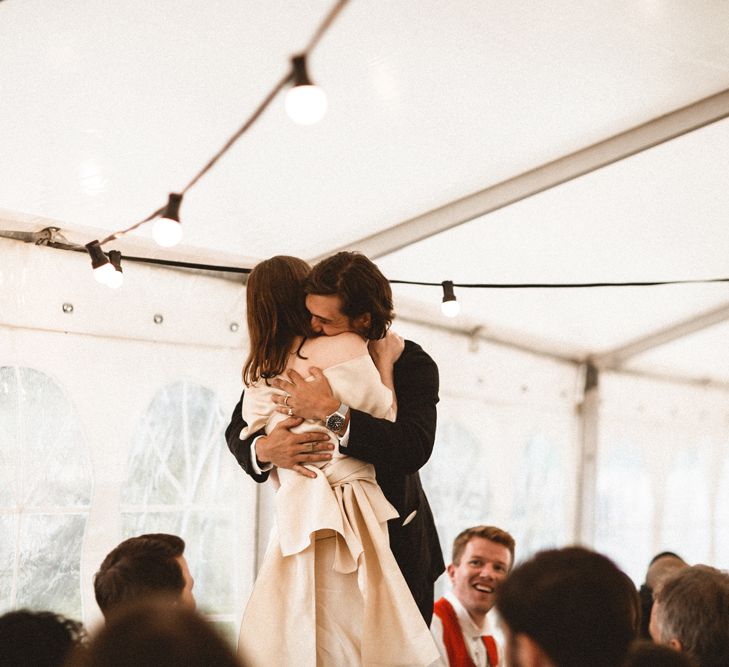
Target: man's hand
[(291, 450), (311, 400)]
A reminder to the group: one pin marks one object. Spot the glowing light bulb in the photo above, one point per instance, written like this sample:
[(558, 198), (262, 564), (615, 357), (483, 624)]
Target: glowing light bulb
[(104, 273), (115, 280), (450, 308), (167, 232), (306, 105)]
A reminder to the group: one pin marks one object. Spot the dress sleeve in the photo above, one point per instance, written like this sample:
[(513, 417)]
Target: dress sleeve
[(257, 409), (405, 445)]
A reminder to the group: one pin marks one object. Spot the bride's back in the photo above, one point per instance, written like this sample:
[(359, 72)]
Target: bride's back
[(327, 351)]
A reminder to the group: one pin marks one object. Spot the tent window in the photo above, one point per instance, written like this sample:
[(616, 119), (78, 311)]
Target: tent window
[(686, 519), (180, 479), (624, 508), (539, 493), (45, 493)]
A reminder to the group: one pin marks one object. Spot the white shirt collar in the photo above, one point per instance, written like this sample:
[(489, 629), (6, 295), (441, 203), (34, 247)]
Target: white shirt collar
[(467, 623)]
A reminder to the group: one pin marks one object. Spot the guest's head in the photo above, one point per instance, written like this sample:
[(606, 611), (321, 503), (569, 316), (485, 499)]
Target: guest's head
[(662, 566), (347, 292), (646, 653), (155, 633), (141, 566), (567, 608), (691, 614), (482, 557), (276, 314), (37, 638)]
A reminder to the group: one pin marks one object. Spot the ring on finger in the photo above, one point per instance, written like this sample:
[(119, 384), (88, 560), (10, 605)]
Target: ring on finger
[(291, 412), (286, 400)]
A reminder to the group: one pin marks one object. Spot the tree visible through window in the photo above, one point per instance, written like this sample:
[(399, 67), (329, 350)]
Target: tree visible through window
[(45, 492), (181, 479)]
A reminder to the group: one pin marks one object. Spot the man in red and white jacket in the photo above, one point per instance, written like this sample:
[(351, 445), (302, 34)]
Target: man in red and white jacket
[(482, 557)]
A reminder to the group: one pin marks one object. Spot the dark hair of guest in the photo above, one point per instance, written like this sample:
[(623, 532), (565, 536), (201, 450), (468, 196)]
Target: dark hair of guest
[(139, 567)]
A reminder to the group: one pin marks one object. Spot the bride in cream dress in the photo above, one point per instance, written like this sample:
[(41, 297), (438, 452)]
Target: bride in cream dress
[(329, 591)]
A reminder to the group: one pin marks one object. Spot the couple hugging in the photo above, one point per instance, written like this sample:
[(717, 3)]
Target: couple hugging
[(340, 412)]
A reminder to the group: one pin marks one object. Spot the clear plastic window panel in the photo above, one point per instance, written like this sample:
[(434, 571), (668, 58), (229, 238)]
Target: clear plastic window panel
[(45, 491), (180, 479)]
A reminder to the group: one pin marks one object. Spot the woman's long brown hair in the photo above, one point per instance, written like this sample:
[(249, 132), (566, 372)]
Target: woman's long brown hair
[(276, 314)]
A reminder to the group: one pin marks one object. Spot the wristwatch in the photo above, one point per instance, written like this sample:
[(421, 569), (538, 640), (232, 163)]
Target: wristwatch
[(335, 421)]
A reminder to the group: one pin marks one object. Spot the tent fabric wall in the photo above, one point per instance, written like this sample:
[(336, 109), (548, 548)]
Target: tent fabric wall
[(507, 447), (662, 472), (132, 386)]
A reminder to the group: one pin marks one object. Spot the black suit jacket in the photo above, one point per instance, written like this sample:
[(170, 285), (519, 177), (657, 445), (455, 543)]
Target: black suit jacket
[(397, 450)]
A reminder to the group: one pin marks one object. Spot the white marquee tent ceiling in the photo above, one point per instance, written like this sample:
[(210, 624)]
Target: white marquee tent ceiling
[(107, 107)]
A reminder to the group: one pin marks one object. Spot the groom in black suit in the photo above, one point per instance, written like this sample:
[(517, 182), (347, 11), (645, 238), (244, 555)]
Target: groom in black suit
[(347, 292)]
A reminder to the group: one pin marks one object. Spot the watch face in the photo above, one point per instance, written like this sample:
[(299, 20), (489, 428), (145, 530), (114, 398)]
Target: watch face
[(335, 422)]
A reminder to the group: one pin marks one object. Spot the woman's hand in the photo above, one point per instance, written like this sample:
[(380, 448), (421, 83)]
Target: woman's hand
[(311, 399), (386, 351)]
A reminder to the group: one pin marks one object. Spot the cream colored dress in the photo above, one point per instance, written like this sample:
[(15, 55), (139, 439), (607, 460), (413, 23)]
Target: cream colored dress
[(329, 591)]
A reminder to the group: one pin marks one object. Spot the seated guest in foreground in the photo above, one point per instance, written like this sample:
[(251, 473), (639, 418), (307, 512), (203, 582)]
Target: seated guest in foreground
[(155, 633), (691, 615), (662, 566), (38, 638), (141, 566), (567, 608), (482, 557), (645, 653)]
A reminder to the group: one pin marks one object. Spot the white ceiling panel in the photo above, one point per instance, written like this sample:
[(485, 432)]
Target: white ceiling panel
[(107, 107)]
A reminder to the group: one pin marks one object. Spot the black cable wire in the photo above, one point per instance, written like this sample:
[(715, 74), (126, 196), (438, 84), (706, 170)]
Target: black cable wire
[(634, 283), (393, 281)]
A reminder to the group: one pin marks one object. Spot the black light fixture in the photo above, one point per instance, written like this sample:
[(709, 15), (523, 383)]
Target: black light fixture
[(103, 269), (305, 102), (117, 278), (167, 229), (450, 306)]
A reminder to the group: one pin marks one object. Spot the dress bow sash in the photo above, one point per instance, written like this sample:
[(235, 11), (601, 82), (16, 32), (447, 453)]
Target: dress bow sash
[(335, 500)]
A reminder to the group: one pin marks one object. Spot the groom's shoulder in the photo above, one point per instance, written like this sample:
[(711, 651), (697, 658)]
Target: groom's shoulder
[(414, 354)]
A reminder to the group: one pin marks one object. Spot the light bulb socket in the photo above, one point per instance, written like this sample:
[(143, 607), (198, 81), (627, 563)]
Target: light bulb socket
[(98, 258), (301, 75), (172, 210), (448, 293), (115, 259)]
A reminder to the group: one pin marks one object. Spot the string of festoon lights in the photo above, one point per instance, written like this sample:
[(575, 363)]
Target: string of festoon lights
[(305, 104), (450, 306)]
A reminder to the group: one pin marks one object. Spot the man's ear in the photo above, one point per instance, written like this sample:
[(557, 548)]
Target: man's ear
[(675, 644), (527, 653), (451, 570), (362, 322)]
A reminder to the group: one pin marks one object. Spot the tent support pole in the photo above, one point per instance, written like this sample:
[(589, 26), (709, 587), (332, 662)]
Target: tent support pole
[(616, 358), (618, 147), (588, 411)]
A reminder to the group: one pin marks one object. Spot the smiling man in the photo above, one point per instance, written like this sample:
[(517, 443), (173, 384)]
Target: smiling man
[(482, 557)]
